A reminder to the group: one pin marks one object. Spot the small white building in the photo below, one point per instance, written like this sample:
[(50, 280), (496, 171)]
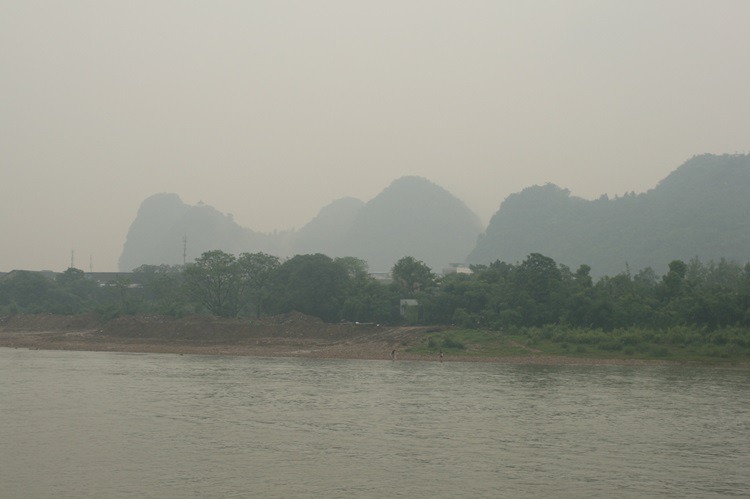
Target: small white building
[(457, 268)]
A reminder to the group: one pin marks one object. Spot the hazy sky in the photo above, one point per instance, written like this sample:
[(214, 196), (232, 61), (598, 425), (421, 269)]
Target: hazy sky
[(270, 110)]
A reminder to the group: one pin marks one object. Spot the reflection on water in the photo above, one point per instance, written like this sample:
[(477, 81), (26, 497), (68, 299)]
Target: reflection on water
[(81, 424)]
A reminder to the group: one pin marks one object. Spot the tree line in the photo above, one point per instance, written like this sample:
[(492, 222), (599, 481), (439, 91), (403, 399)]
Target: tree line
[(536, 292)]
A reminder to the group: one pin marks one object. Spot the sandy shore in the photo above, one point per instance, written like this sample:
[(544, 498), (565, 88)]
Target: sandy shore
[(354, 348), (289, 335), (269, 347)]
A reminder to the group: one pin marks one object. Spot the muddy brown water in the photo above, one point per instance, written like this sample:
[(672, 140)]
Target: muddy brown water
[(95, 424)]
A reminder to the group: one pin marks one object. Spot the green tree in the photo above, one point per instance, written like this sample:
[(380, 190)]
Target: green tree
[(674, 280), (213, 281), (583, 277), (366, 299), (27, 292), (70, 276), (310, 284), (124, 297), (460, 299), (502, 309), (411, 275), (255, 273), (369, 301), (537, 285), (162, 288), (75, 294), (356, 268)]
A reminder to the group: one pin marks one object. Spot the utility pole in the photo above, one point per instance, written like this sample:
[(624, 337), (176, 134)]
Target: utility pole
[(184, 250)]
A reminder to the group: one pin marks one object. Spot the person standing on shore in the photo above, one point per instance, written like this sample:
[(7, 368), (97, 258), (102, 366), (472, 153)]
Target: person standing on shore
[(393, 354), (441, 356)]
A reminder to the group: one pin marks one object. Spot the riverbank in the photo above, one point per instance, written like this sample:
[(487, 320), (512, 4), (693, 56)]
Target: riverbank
[(290, 335)]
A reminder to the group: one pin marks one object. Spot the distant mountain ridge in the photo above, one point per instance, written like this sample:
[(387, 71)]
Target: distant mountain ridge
[(327, 232), (412, 216), (702, 210), (164, 221)]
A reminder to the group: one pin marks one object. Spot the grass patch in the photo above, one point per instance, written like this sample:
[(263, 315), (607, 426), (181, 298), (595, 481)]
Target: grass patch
[(468, 342), (451, 344), (684, 344)]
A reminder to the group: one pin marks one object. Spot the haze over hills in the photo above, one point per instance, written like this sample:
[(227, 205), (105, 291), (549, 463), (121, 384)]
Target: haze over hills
[(164, 221), (699, 210), (327, 232), (702, 210), (412, 216)]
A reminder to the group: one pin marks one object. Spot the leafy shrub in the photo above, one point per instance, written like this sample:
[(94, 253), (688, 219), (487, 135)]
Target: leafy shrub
[(466, 319), (451, 343)]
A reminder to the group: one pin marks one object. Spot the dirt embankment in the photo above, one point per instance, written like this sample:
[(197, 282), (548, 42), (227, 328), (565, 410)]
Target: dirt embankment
[(48, 323), (291, 334)]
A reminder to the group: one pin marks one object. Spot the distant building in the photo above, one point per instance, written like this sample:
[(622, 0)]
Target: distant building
[(457, 268), (111, 278), (382, 277)]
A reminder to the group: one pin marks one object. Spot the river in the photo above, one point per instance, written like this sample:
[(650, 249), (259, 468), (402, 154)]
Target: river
[(84, 424)]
